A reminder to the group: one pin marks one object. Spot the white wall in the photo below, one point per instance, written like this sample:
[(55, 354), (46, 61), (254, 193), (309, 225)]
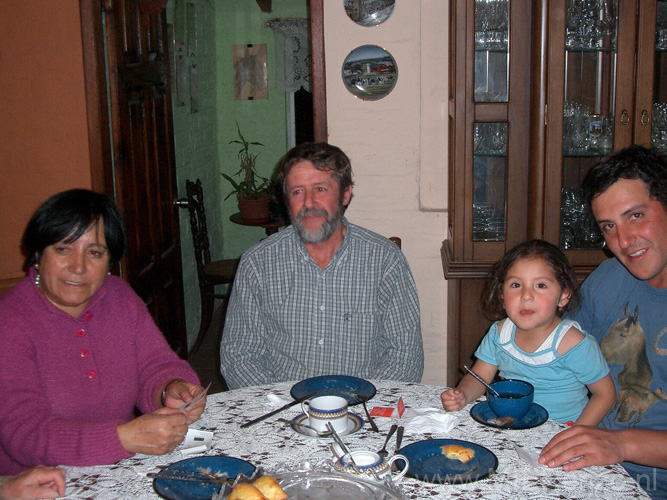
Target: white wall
[(398, 147)]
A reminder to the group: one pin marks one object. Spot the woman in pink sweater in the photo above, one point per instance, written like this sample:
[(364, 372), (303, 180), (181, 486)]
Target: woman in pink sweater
[(79, 350)]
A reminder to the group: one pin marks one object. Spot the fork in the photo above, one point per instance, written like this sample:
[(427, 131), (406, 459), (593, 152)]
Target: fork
[(304, 426), (383, 452)]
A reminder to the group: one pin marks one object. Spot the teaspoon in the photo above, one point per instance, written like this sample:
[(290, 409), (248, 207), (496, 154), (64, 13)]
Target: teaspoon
[(481, 380)]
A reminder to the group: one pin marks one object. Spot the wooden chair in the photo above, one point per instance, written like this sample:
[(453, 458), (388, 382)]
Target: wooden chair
[(396, 240), (209, 273)]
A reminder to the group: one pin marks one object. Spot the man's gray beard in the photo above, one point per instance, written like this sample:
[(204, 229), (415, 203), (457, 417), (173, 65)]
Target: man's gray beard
[(321, 234)]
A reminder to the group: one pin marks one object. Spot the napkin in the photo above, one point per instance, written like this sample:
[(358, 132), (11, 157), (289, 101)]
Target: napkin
[(196, 441), (528, 456), (422, 420)]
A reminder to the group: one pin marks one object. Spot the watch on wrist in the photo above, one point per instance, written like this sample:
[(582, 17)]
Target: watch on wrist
[(164, 391)]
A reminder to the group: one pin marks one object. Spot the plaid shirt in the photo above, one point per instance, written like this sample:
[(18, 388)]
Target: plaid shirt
[(288, 319)]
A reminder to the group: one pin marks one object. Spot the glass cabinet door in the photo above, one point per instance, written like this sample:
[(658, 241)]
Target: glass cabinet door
[(588, 110), (659, 118), (489, 181), (492, 21)]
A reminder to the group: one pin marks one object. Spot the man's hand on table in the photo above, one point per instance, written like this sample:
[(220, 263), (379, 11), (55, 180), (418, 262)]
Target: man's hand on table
[(593, 445)]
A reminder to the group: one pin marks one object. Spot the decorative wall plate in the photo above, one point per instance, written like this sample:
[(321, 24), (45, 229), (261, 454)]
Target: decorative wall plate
[(369, 72), (369, 12)]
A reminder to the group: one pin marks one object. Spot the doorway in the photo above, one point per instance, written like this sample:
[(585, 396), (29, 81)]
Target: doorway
[(106, 149)]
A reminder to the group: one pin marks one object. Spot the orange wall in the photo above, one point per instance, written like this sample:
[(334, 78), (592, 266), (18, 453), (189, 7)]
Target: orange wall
[(43, 128)]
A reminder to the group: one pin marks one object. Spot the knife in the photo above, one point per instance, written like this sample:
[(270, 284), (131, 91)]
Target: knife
[(282, 408), (197, 479), (399, 438)]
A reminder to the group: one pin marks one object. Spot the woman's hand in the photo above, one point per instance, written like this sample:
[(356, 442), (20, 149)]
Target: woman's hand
[(453, 399), (179, 392), (154, 433), (38, 482)]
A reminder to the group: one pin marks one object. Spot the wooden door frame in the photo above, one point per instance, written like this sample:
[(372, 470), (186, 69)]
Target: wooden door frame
[(99, 140)]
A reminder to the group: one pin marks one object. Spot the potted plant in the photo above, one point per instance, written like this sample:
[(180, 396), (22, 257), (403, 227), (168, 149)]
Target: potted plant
[(253, 191)]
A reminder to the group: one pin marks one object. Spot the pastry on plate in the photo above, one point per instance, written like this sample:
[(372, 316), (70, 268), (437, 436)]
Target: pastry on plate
[(270, 488), (245, 491), (458, 452)]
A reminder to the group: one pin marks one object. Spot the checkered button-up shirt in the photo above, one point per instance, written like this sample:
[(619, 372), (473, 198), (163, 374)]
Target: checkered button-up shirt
[(288, 319)]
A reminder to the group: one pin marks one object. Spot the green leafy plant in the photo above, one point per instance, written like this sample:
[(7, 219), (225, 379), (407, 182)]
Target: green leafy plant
[(252, 186)]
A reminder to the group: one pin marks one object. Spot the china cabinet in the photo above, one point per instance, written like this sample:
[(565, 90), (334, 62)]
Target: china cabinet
[(539, 92)]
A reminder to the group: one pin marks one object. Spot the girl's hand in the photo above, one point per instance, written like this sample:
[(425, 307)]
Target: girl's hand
[(453, 399)]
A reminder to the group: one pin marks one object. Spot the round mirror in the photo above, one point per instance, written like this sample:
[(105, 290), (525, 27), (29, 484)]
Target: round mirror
[(369, 12), (369, 72)]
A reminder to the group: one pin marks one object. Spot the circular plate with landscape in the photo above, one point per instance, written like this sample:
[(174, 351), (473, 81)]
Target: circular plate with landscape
[(369, 72)]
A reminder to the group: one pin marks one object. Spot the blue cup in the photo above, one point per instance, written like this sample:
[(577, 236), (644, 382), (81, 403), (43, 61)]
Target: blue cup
[(514, 400)]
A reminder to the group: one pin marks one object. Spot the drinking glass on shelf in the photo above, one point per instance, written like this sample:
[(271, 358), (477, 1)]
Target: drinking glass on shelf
[(661, 27), (575, 128), (578, 227), (659, 127), (589, 23)]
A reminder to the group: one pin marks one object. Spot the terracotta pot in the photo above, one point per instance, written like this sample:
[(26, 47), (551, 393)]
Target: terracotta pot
[(255, 210)]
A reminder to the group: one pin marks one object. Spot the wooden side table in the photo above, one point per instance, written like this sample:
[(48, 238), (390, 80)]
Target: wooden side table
[(271, 225)]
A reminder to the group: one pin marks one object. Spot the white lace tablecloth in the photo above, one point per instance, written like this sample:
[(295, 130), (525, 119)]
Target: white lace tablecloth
[(274, 445)]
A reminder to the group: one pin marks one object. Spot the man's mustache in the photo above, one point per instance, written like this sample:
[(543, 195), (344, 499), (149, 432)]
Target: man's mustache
[(312, 212)]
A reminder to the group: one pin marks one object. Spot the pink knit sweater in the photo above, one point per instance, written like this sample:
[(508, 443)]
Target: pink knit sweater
[(66, 383)]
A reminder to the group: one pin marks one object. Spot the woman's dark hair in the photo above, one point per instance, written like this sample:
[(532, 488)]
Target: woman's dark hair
[(633, 162), (492, 295), (323, 156), (66, 216)]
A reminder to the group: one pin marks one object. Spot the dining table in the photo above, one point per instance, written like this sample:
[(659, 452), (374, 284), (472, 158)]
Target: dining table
[(275, 446)]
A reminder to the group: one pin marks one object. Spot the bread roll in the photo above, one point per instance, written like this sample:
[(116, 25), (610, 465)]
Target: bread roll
[(270, 488), (245, 491), (458, 452)]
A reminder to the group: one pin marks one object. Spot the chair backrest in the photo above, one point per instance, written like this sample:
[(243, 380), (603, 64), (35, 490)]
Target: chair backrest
[(195, 196), (396, 240)]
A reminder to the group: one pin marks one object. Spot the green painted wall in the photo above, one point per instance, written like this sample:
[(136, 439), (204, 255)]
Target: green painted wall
[(241, 23), (202, 137)]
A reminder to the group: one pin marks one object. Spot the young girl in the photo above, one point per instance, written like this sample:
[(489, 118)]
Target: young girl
[(527, 292)]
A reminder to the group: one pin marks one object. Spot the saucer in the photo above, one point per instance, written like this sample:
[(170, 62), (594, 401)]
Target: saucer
[(536, 416), (354, 423)]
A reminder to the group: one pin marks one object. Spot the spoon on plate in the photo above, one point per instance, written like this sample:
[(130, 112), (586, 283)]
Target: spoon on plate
[(481, 380), (304, 426)]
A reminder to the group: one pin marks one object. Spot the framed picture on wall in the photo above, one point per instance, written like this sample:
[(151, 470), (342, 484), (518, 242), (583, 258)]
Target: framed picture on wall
[(250, 72)]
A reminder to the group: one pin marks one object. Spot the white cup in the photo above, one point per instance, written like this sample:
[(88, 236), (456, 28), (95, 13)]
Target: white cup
[(325, 409), (367, 463)]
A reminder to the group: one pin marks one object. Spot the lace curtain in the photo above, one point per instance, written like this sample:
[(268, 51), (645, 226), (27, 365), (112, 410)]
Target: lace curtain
[(292, 42)]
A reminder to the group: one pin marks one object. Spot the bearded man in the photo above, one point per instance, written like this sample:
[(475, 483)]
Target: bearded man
[(323, 296)]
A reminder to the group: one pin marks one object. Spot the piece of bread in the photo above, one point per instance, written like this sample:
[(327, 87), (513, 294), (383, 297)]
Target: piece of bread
[(458, 452), (270, 488), (245, 491)]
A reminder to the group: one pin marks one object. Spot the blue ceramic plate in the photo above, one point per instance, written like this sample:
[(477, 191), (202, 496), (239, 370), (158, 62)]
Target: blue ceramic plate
[(344, 386), (190, 490), (537, 415), (427, 463), (354, 423)]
